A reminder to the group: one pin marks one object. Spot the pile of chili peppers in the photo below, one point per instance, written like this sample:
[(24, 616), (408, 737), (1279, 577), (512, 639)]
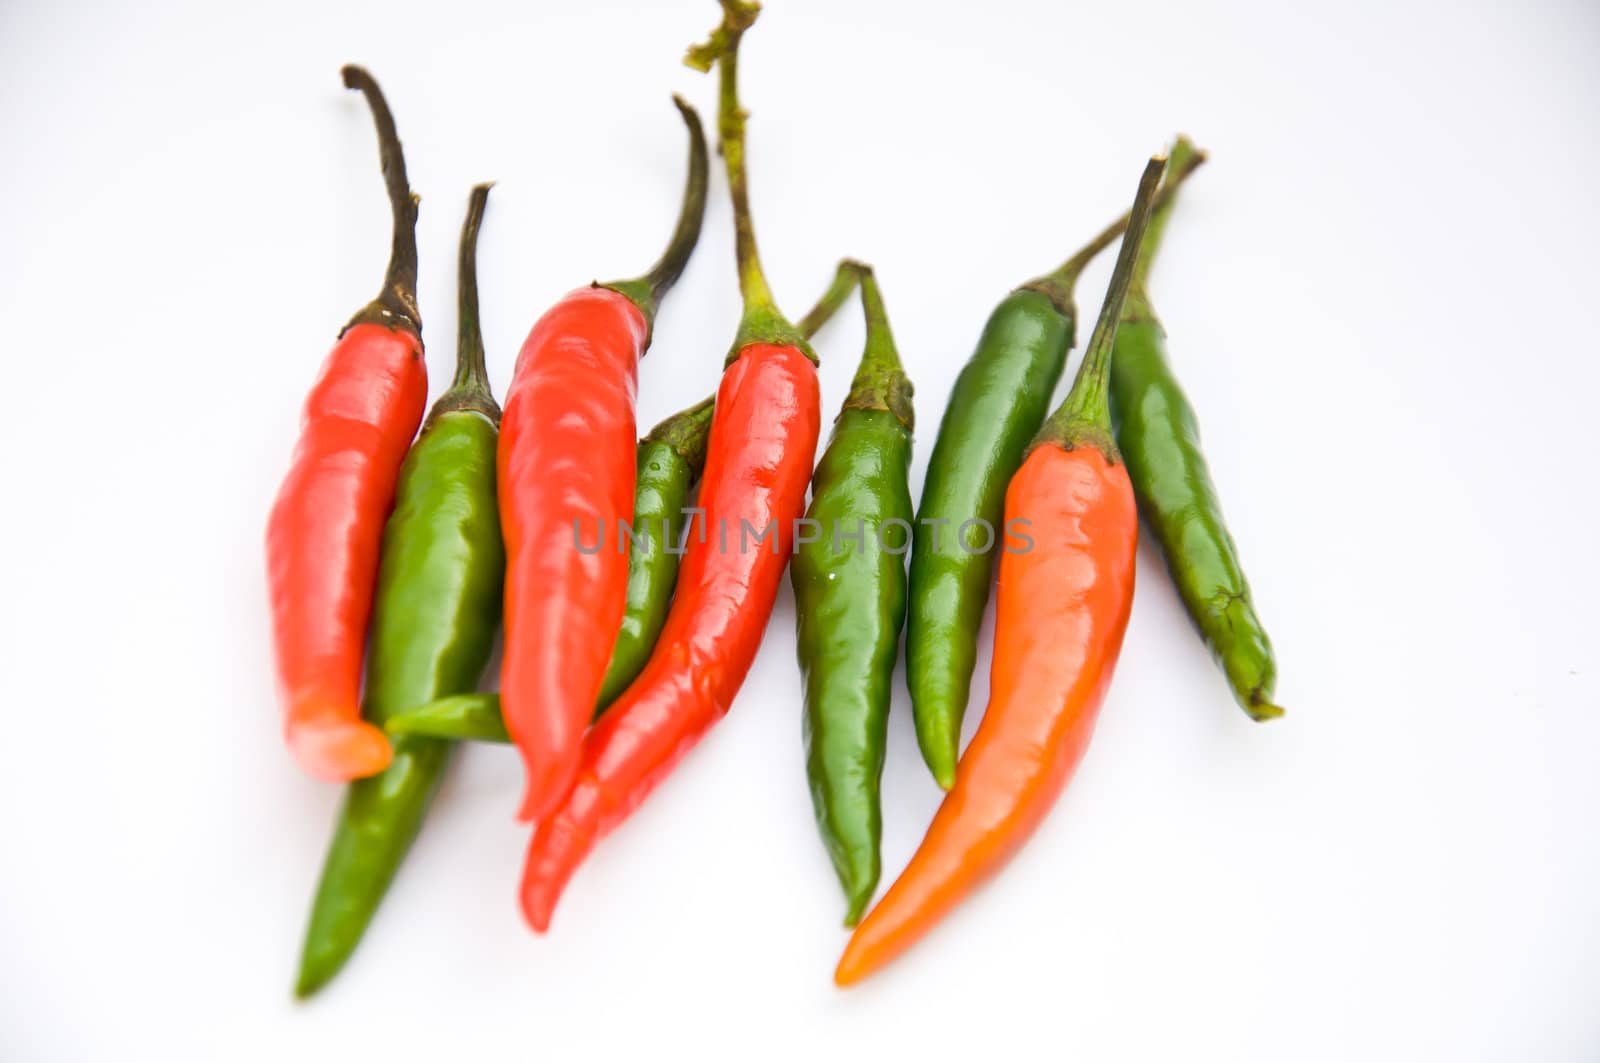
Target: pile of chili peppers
[(401, 553)]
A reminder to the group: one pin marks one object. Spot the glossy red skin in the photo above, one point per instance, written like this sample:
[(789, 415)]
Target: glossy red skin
[(323, 538), (1062, 609), (566, 455), (758, 465)]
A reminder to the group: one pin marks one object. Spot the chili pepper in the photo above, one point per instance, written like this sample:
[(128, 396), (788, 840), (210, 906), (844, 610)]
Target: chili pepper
[(1160, 440), (324, 531), (1063, 608), (670, 460), (567, 473), (996, 406), (850, 600), (433, 627), (758, 463)]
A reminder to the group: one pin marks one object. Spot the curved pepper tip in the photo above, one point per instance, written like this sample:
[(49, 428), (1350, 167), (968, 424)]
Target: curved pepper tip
[(339, 750), (538, 898), (546, 788), (537, 908), (941, 750), (852, 967), (1262, 711), (310, 980)]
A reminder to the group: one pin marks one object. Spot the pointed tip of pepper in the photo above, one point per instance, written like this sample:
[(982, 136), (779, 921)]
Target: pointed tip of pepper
[(315, 972), (538, 898), (1262, 711), (537, 910), (852, 967), (339, 750), (940, 742)]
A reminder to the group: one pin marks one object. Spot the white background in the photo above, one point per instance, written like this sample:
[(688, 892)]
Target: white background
[(1381, 295)]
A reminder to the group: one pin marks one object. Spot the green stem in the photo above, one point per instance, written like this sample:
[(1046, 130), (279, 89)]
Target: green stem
[(844, 282), (1058, 284), (647, 291), (1182, 158), (396, 304), (687, 432), (470, 389), (1084, 417), (762, 321), (880, 382)]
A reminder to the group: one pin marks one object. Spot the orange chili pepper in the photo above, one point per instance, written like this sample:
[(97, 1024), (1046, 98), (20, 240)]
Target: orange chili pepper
[(327, 523), (1064, 595)]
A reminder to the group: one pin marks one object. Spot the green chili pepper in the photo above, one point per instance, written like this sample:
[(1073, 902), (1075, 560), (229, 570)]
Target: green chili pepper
[(1160, 441), (670, 460), (849, 577), (435, 613), (997, 405)]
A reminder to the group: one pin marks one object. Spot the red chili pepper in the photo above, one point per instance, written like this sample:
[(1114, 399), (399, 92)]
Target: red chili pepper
[(566, 478), (326, 525), (763, 440), (1062, 609)]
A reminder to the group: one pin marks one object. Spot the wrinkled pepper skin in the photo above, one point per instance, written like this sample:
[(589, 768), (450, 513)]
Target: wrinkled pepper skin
[(567, 471), (1160, 439), (323, 540), (567, 467), (763, 441), (996, 406), (436, 614), (851, 602), (325, 526)]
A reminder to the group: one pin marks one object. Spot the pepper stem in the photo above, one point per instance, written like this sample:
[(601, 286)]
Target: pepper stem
[(396, 304), (647, 291), (687, 432), (470, 389), (762, 321), (1058, 284), (1182, 158), (844, 282), (1084, 417), (880, 382)]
